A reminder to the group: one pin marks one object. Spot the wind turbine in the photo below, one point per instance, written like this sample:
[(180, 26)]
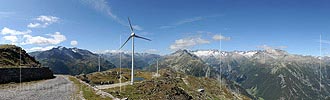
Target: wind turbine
[(133, 35), (157, 74)]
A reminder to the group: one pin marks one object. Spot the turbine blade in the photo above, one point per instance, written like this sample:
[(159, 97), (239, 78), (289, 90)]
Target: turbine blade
[(142, 37), (130, 25), (125, 42)]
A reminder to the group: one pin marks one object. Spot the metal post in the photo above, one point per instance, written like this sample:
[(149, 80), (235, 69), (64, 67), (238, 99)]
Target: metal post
[(132, 74), (99, 63)]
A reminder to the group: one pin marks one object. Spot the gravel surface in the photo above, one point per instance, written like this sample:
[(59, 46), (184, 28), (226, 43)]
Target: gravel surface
[(59, 88), (112, 85)]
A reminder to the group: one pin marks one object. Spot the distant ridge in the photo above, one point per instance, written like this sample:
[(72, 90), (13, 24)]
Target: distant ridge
[(72, 61), (185, 62)]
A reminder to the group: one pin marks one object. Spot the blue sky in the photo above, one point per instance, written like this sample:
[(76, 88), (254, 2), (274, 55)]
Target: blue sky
[(97, 25)]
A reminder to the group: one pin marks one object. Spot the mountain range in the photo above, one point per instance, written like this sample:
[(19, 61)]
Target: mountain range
[(273, 73), (72, 61), (266, 74), (185, 62)]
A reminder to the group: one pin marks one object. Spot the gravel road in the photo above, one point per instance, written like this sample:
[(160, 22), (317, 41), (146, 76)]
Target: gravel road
[(59, 88)]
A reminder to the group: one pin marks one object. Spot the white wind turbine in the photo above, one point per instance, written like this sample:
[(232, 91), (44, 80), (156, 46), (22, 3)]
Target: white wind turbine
[(157, 74), (132, 37)]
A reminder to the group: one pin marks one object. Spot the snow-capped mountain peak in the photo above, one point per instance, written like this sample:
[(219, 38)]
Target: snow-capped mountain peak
[(205, 53), (247, 53)]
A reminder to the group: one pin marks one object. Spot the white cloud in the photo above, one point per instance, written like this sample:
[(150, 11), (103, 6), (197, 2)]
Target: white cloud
[(34, 25), (55, 38), (188, 20), (184, 21), (6, 31), (266, 47), (11, 38), (152, 51), (43, 21), (74, 43), (113, 51), (47, 19), (110, 51), (220, 37), (145, 33), (103, 7), (137, 27), (40, 48), (186, 43)]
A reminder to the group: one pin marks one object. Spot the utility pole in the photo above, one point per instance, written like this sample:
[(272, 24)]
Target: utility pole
[(119, 66), (220, 65), (99, 63), (320, 64), (157, 68)]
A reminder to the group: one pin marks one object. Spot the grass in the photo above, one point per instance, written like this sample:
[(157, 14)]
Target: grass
[(144, 90), (127, 91), (88, 92), (112, 76), (7, 46), (164, 87)]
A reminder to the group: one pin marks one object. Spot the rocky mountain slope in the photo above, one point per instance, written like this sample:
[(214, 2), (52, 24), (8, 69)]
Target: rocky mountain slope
[(72, 61), (185, 62), (182, 61), (170, 85), (12, 57), (272, 73)]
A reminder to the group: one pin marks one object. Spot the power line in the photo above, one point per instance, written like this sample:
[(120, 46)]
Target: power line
[(220, 65), (99, 63), (320, 63), (119, 66), (20, 68)]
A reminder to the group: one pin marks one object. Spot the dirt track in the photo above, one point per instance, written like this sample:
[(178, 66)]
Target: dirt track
[(59, 88)]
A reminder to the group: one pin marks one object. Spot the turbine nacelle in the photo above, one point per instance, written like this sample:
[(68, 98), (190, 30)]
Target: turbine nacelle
[(133, 34)]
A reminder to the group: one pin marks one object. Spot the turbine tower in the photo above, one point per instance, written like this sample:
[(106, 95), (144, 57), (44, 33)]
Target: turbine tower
[(132, 37)]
